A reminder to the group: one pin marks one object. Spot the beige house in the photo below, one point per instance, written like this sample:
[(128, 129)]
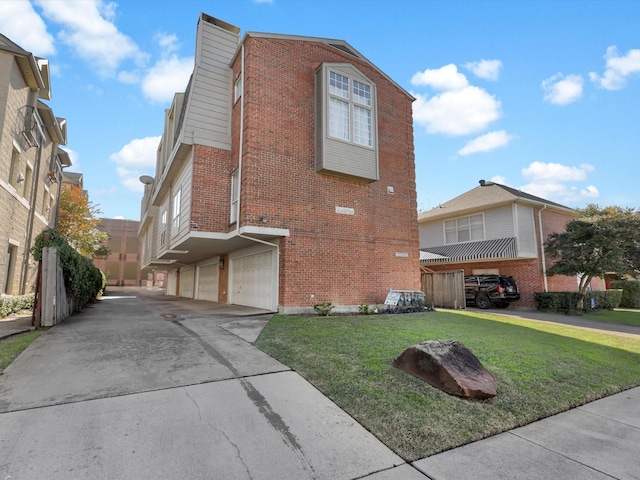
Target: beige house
[(31, 163)]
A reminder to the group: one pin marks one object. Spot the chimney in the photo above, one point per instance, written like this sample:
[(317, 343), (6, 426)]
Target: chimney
[(482, 183)]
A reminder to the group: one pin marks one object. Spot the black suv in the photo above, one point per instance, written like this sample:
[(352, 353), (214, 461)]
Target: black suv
[(487, 290)]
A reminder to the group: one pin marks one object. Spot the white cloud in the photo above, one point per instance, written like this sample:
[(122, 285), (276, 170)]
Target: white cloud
[(561, 193), (168, 76), (618, 68), (167, 41), (138, 157), (22, 25), (457, 112), (561, 90), (88, 28), (487, 69), (538, 172), (444, 78), (486, 143), (552, 181)]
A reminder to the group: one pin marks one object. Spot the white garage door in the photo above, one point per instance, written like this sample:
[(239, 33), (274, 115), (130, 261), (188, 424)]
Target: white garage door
[(208, 282), (186, 282), (253, 281)]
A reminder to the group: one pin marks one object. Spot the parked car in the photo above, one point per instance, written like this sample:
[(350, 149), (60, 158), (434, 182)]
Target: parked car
[(483, 291)]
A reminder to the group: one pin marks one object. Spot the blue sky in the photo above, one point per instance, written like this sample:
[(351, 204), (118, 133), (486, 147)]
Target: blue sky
[(543, 96)]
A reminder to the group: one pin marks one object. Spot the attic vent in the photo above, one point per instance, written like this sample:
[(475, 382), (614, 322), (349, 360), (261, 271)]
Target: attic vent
[(344, 48)]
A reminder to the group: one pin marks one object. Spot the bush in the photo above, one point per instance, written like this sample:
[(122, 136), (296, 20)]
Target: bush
[(83, 280), (323, 308), (565, 302), (15, 304), (630, 292)]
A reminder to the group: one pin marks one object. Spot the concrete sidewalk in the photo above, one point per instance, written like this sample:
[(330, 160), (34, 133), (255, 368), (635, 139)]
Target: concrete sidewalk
[(15, 325), (146, 386)]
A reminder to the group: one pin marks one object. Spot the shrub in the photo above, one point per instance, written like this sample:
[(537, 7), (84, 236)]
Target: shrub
[(323, 308), (15, 304), (565, 302), (83, 280), (630, 292)]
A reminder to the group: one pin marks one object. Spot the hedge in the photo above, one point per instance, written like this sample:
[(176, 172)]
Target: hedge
[(630, 292), (15, 304), (565, 302), (83, 280)]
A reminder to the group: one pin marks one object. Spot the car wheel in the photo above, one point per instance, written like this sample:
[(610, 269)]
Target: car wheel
[(482, 301)]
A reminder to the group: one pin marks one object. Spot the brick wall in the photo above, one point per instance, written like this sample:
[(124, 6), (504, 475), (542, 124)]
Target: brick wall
[(345, 259)]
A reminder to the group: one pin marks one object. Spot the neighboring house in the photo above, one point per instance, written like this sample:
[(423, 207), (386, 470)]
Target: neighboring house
[(31, 162), (285, 177), (498, 230), (122, 265)]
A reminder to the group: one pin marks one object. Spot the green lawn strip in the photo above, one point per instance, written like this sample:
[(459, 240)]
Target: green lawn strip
[(539, 373), (619, 315), (13, 346)]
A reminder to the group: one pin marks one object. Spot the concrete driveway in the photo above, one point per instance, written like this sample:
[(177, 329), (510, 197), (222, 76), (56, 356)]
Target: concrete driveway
[(144, 386)]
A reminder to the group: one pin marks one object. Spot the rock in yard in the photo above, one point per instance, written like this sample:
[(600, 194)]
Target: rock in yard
[(449, 366)]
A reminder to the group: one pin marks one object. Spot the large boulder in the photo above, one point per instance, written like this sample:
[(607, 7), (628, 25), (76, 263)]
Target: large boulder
[(449, 366)]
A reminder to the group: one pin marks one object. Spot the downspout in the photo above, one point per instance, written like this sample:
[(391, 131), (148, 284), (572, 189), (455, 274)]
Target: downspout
[(240, 153), (544, 261)]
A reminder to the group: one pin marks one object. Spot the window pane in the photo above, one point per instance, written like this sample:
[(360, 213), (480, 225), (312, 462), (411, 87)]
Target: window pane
[(338, 119), (338, 85), (361, 93), (362, 126)]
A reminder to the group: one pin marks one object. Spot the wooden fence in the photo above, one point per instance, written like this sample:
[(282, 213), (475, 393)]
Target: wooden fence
[(444, 289), (52, 303)]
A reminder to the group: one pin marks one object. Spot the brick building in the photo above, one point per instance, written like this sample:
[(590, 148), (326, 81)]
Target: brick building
[(31, 162), (122, 265), (285, 176), (496, 229)]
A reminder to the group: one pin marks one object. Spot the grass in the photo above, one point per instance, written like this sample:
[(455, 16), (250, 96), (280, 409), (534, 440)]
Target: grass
[(541, 369), (625, 316), (13, 346)]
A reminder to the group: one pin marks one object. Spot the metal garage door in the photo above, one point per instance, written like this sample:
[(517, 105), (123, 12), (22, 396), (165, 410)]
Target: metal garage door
[(186, 282), (253, 281), (208, 282)]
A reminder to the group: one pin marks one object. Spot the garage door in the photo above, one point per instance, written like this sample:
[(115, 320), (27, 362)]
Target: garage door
[(208, 282), (253, 281), (186, 282)]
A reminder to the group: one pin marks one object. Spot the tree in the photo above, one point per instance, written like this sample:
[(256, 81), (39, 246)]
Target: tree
[(77, 221), (602, 240)]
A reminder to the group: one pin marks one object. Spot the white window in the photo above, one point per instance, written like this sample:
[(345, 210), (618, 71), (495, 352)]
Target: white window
[(235, 196), (175, 218), (163, 228), (464, 229), (350, 110), (237, 88)]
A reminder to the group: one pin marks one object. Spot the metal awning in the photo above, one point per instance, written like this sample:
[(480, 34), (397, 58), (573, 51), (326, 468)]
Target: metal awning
[(460, 252)]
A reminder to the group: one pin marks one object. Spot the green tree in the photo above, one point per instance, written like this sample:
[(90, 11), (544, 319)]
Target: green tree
[(77, 222), (602, 240)]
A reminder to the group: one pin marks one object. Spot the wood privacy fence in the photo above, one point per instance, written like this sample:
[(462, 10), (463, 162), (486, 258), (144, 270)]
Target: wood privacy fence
[(52, 303), (444, 289)]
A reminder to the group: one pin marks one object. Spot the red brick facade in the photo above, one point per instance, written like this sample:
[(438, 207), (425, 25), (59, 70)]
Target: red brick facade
[(344, 259)]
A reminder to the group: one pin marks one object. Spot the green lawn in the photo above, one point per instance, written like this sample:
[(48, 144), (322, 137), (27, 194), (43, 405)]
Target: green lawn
[(619, 315), (541, 369), (11, 347)]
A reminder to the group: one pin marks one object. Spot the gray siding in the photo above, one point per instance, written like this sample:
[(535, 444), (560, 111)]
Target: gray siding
[(499, 223), (431, 234), (208, 117), (339, 157), (183, 182), (527, 245)]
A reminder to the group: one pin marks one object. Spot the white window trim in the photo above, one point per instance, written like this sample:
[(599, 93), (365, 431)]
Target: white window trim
[(235, 191), (175, 216), (458, 229), (353, 103), (237, 88), (163, 228)]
